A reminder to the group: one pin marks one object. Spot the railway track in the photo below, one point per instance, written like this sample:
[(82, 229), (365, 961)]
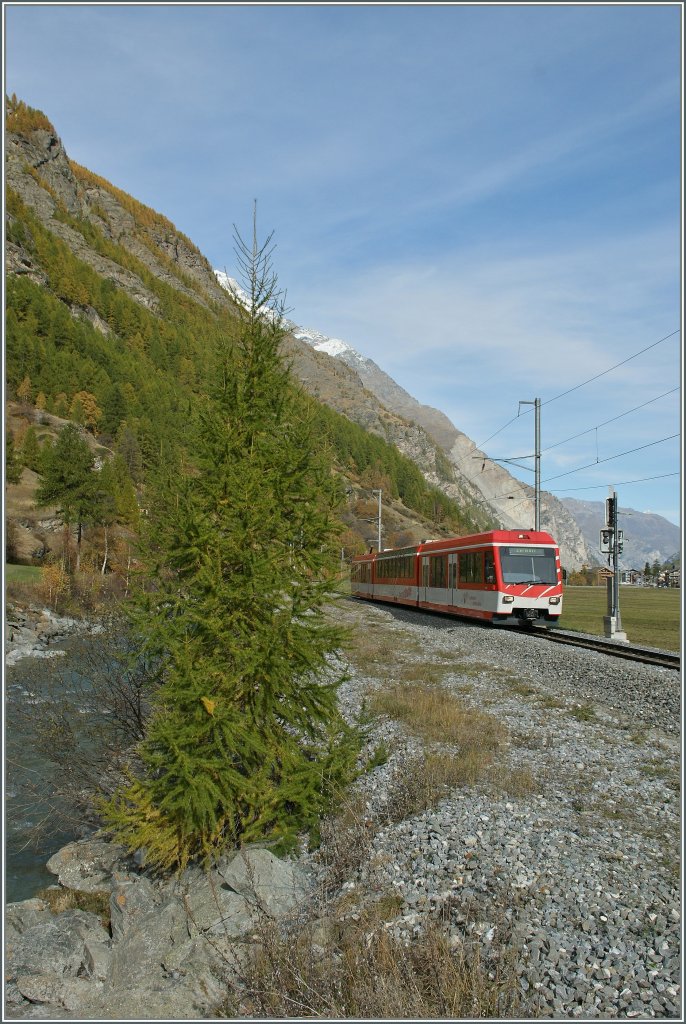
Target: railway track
[(615, 648)]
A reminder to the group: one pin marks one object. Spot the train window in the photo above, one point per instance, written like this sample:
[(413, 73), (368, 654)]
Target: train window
[(472, 567), (437, 571), (489, 567), (361, 572), (452, 574), (528, 565), (395, 567)]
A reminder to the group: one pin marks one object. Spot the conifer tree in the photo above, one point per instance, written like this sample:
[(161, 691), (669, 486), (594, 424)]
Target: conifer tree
[(31, 450), (24, 391), (69, 482), (12, 462), (246, 741)]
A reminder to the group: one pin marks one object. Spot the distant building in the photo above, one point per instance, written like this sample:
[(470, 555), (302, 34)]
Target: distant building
[(673, 578), (631, 577)]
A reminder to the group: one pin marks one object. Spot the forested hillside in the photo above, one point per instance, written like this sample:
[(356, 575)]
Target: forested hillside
[(113, 317)]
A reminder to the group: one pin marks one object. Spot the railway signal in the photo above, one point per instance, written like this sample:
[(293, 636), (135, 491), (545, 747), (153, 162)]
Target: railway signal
[(607, 541), (612, 544), (611, 511)]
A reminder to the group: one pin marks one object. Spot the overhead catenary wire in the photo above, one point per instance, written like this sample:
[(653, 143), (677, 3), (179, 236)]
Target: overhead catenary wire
[(610, 368), (570, 390), (611, 457), (605, 422), (591, 465), (620, 483)]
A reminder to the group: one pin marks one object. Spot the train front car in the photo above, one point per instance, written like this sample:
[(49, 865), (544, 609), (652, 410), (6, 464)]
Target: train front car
[(503, 577), (529, 578)]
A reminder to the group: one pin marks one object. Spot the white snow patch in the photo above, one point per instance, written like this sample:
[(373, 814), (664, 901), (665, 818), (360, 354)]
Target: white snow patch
[(320, 342)]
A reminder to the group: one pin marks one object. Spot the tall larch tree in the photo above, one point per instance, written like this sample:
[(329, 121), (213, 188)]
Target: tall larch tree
[(246, 741), (69, 482)]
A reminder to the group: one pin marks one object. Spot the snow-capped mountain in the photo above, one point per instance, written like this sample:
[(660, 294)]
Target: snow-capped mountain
[(318, 341)]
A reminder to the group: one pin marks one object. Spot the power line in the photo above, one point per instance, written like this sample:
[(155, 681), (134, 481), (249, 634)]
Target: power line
[(611, 368), (611, 458), (605, 422), (575, 388), (620, 483)]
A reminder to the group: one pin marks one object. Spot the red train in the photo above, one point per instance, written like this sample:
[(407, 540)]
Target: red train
[(504, 576)]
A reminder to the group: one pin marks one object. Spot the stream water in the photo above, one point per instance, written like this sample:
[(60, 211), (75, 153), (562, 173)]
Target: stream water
[(35, 823)]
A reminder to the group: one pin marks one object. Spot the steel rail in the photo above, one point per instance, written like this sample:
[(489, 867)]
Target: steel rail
[(616, 650)]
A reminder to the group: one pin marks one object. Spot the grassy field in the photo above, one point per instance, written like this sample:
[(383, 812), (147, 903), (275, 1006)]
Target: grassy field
[(22, 573), (650, 615)]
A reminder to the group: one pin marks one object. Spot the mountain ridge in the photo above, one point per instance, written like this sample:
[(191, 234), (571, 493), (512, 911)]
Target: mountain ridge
[(648, 537)]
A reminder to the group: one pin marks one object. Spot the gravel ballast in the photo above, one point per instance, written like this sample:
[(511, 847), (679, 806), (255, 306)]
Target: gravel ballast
[(581, 873)]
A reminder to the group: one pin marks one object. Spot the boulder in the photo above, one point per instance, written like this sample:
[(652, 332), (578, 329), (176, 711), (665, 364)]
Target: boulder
[(54, 990), (275, 887), (19, 917), (97, 959), (131, 898), (175, 945), (89, 865), (216, 909), (146, 944), (58, 941)]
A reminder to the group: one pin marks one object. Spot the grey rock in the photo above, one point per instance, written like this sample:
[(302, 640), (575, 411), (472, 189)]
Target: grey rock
[(97, 959), (130, 899), (19, 917), (58, 942), (274, 886), (55, 990), (218, 909), (87, 865), (143, 947)]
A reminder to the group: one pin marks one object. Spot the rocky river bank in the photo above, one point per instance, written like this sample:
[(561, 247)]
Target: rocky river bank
[(35, 632)]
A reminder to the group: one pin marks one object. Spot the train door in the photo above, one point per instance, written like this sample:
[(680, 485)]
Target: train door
[(424, 581), (452, 578)]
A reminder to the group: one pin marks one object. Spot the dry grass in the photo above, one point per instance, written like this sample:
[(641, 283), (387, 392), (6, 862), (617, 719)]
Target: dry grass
[(437, 716), (583, 713), (422, 673), (518, 686), (517, 782), (370, 975), (545, 700), (345, 840), (59, 900)]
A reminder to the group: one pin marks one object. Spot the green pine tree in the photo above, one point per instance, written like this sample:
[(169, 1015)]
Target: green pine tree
[(12, 462), (31, 450), (69, 482), (246, 741)]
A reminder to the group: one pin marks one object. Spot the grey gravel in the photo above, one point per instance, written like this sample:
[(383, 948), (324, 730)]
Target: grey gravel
[(581, 874)]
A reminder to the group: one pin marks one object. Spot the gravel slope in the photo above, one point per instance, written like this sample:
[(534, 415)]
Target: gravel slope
[(581, 873)]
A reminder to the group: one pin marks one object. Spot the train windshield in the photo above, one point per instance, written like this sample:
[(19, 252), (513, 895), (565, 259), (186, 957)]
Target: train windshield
[(528, 565)]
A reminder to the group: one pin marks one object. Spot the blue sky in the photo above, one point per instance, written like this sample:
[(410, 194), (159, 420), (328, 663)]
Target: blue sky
[(484, 199)]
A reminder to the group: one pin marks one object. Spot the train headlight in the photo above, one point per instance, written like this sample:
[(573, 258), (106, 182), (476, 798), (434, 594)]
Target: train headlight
[(553, 600), (508, 599)]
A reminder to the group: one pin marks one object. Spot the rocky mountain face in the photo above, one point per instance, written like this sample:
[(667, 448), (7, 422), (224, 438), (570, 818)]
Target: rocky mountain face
[(647, 537), (56, 189), (509, 501), (38, 169)]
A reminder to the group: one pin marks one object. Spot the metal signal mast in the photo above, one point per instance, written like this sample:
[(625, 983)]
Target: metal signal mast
[(612, 544)]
